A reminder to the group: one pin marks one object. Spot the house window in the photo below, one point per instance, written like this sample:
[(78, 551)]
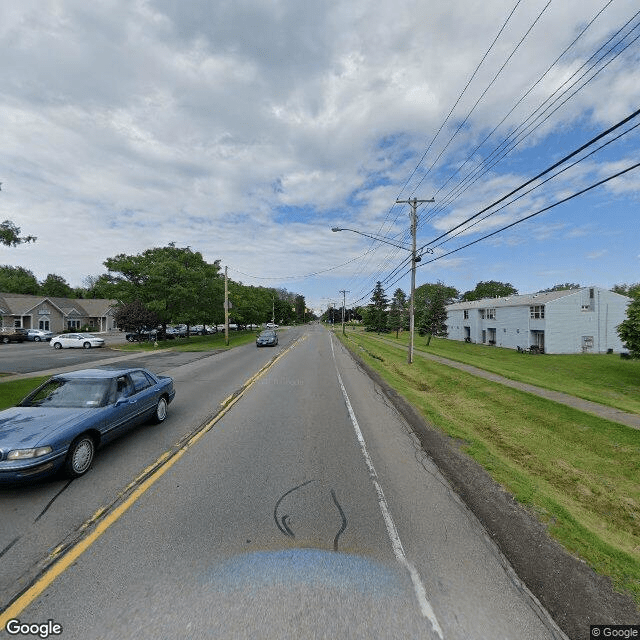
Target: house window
[(466, 314), (491, 314), (482, 313), (537, 312), (73, 324)]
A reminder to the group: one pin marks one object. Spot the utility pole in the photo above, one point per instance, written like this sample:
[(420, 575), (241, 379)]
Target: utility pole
[(344, 294), (414, 225), (226, 308)]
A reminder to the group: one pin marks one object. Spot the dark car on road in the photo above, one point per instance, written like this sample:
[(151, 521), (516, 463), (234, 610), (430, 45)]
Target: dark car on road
[(268, 338), (12, 334), (61, 424)]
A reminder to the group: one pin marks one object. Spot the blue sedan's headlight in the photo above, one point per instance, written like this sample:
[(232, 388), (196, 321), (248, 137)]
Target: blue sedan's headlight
[(24, 454)]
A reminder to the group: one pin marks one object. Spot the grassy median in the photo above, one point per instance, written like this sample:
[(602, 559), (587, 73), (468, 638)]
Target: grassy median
[(578, 473)]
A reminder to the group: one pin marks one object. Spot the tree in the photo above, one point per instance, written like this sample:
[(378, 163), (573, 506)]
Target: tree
[(102, 286), (490, 289), (562, 287), (10, 235), (431, 302), (398, 311), (56, 286), (18, 280), (174, 282), (134, 316), (630, 290), (300, 306), (375, 318), (629, 329)]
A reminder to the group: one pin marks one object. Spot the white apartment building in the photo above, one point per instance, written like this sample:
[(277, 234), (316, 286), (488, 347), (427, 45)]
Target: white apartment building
[(572, 321)]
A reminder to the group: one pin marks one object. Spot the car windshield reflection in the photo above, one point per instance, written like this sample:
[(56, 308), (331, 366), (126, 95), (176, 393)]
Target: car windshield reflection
[(74, 393)]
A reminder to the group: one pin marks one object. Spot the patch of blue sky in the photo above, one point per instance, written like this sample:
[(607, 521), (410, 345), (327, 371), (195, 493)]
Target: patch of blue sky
[(284, 214)]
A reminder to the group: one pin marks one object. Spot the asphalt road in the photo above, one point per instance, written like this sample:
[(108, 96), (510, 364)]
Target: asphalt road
[(306, 510)]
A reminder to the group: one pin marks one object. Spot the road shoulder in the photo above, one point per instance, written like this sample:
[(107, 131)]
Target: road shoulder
[(573, 594)]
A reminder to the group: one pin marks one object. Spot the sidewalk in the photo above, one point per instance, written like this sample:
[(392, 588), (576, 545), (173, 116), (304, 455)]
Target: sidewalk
[(600, 410)]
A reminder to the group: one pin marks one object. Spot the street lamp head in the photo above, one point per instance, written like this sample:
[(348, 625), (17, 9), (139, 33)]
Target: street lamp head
[(334, 229)]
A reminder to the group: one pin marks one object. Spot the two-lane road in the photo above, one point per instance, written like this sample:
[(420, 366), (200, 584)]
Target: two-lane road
[(306, 510)]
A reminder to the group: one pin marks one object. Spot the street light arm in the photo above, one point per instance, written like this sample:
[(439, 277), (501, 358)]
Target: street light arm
[(373, 237)]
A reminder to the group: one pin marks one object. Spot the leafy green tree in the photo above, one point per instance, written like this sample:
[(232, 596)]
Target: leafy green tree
[(18, 280), (300, 307), (56, 286), (134, 316), (629, 329), (562, 287), (10, 235), (630, 290), (431, 302), (398, 311), (490, 289), (375, 318), (101, 286), (176, 283)]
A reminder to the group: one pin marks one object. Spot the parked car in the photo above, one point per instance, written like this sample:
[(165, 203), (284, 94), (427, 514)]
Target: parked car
[(12, 334), (268, 338), (39, 335), (143, 336), (197, 330), (271, 325), (76, 340), (61, 424)]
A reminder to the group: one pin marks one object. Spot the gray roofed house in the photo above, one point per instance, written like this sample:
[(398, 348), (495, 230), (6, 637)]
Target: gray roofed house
[(56, 314), (571, 321)]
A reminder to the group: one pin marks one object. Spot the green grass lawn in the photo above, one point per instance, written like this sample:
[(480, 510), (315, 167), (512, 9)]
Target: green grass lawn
[(194, 343), (603, 378), (578, 473)]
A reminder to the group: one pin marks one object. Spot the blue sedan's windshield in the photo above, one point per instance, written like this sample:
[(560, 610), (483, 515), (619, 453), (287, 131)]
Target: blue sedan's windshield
[(73, 393)]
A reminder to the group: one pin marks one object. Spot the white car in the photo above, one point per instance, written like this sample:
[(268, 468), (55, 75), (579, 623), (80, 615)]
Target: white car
[(76, 340)]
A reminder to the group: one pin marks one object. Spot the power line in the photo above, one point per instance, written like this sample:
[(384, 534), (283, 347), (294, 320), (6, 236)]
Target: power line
[(542, 173), (555, 204)]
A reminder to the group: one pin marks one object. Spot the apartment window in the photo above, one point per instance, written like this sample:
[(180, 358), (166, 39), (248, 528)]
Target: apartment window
[(491, 314), (482, 313), (466, 314), (537, 312)]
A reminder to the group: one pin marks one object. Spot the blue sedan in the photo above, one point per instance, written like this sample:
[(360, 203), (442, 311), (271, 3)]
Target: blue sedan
[(60, 425)]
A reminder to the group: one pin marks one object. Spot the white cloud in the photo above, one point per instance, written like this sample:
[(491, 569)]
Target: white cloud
[(246, 129)]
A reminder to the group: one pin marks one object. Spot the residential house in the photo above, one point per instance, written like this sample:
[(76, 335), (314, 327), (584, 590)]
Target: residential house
[(56, 314), (571, 321)]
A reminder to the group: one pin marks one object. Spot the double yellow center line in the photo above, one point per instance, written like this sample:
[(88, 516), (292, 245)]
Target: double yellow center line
[(65, 555)]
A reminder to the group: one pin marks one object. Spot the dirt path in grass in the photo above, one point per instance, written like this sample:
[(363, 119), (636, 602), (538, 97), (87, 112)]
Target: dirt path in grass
[(600, 410)]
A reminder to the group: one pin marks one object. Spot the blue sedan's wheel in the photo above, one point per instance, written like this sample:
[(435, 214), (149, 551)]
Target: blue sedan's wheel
[(80, 456), (161, 411)]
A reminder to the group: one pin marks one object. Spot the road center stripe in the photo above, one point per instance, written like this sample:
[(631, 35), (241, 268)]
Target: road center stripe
[(62, 558)]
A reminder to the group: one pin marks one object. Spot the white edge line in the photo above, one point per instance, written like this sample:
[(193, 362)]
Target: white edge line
[(396, 543)]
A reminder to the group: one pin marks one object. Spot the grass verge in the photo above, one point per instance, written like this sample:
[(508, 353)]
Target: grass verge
[(576, 472), (603, 378), (194, 343)]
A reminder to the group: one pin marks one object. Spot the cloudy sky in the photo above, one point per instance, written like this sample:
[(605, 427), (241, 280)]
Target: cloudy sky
[(246, 129)]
